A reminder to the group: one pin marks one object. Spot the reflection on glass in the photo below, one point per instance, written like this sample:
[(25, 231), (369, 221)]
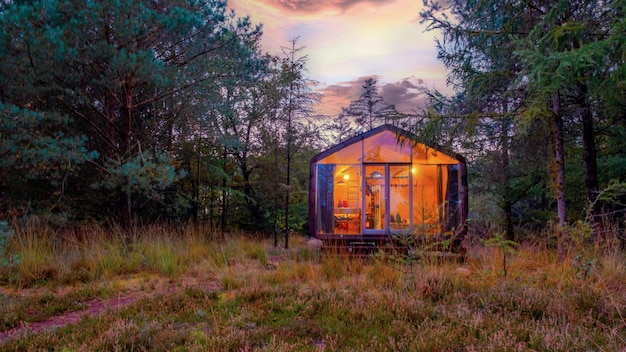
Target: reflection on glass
[(350, 154), (325, 200), (428, 194), (384, 148), (399, 197)]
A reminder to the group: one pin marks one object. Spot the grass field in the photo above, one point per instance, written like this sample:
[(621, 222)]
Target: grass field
[(167, 290)]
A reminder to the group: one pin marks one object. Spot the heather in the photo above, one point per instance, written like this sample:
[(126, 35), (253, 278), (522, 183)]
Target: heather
[(178, 289)]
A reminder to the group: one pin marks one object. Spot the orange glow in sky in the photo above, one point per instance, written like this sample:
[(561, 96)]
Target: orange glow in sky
[(348, 41)]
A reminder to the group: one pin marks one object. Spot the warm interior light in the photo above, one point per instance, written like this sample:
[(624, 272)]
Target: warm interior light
[(346, 177), (413, 170)]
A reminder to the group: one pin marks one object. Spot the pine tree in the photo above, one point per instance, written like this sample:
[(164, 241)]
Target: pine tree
[(296, 115), (370, 109), (127, 72), (478, 47)]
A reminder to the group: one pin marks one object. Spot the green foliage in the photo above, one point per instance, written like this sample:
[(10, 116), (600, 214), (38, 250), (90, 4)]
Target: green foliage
[(6, 235), (507, 247), (506, 154), (145, 174), (138, 110), (511, 62), (614, 194), (298, 218), (115, 77), (584, 268), (39, 155), (37, 142)]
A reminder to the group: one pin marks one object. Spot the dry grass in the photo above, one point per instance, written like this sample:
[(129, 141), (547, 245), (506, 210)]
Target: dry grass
[(201, 294)]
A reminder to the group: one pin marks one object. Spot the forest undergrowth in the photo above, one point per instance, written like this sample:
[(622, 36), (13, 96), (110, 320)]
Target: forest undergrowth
[(190, 291)]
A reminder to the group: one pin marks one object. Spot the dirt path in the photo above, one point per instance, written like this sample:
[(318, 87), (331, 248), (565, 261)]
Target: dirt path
[(94, 307), (133, 291)]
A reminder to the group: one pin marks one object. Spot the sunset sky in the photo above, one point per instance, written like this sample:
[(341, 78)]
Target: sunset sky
[(348, 41)]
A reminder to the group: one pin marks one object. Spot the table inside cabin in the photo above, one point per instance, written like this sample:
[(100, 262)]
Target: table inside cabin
[(348, 220)]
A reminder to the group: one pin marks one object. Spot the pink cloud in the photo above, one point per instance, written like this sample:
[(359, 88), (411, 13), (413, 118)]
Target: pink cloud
[(315, 6), (347, 41)]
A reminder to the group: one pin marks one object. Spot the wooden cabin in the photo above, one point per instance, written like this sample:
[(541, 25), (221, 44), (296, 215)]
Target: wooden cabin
[(382, 185)]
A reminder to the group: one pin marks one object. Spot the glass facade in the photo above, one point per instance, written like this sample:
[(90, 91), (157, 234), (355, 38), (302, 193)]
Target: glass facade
[(381, 184)]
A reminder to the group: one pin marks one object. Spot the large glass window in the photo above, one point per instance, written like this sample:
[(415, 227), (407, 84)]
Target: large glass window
[(429, 187), (380, 184), (399, 197), (325, 198), (426, 155), (347, 199), (350, 154), (385, 148), (375, 197)]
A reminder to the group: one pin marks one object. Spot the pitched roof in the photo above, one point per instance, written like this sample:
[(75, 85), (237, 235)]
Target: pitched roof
[(401, 133)]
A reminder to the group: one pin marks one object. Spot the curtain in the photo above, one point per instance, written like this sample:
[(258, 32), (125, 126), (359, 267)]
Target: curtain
[(452, 198), (325, 198)]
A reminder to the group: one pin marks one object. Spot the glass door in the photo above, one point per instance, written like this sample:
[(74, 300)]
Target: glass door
[(399, 197), (375, 198)]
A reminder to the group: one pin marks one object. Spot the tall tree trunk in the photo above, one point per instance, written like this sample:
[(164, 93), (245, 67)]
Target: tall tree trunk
[(254, 210), (289, 136), (212, 206), (557, 130), (508, 221), (195, 184), (506, 174), (224, 202), (125, 202), (276, 193), (590, 160), (288, 182), (247, 186)]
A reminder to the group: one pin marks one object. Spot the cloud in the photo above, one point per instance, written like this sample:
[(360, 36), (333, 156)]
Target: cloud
[(338, 95), (347, 41), (407, 94), (317, 6)]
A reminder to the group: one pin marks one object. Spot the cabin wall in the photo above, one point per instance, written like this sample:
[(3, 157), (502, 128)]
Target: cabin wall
[(421, 201), (375, 185)]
